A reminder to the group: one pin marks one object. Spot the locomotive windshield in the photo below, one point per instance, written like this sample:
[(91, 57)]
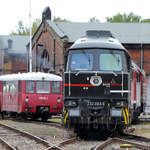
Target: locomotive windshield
[(99, 60), (110, 62), (82, 61)]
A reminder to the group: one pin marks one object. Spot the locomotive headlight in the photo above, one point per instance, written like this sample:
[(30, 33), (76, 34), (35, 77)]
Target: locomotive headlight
[(121, 104), (58, 100), (71, 103), (27, 100)]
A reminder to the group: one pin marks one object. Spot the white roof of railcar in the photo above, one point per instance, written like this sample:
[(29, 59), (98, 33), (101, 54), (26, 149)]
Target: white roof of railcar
[(31, 76)]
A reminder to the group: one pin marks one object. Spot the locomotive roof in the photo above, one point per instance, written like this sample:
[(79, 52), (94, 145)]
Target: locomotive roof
[(40, 76), (98, 39)]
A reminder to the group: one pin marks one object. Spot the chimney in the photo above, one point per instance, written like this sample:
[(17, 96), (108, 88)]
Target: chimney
[(46, 14), (10, 42)]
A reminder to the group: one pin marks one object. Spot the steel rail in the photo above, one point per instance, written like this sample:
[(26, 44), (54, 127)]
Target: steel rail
[(121, 141), (63, 143), (135, 136), (44, 142), (10, 147)]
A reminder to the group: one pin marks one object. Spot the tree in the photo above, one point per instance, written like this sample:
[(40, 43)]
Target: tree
[(58, 19), (35, 25), (25, 29), (145, 21), (94, 19), (124, 18)]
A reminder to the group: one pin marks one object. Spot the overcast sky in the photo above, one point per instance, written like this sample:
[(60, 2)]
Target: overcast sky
[(11, 11)]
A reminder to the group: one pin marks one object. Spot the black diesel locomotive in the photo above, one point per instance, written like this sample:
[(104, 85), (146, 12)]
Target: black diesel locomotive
[(101, 84)]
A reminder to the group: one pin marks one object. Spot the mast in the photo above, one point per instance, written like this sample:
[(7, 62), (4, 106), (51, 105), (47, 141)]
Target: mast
[(30, 48)]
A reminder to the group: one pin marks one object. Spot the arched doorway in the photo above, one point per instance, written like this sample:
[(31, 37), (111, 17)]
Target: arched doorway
[(45, 64)]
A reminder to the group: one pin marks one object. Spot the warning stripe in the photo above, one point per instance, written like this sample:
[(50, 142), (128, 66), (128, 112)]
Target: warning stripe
[(65, 116), (125, 115), (113, 84), (88, 85)]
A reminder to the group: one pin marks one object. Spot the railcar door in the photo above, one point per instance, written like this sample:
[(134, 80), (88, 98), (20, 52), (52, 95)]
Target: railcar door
[(57, 100), (29, 97), (19, 95), (14, 95), (43, 98)]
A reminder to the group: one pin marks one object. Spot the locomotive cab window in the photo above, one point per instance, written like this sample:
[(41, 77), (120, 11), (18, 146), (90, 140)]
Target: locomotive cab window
[(29, 86), (110, 62), (56, 87), (81, 60), (43, 87)]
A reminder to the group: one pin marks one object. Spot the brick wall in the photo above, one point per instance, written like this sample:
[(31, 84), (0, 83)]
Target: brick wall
[(140, 55), (50, 42), (19, 64)]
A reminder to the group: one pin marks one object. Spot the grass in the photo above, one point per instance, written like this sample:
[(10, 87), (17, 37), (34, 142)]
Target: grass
[(58, 120)]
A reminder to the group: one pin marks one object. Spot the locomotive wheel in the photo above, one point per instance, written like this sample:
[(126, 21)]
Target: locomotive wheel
[(34, 117), (44, 118)]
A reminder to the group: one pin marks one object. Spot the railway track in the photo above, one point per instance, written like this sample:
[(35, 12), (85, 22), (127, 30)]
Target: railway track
[(136, 141), (133, 140), (51, 123), (119, 141), (16, 137), (5, 145)]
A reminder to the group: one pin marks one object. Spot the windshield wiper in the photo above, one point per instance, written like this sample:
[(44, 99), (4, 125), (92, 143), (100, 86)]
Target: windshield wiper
[(87, 56)]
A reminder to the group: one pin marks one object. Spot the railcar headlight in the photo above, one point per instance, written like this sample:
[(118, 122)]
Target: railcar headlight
[(27, 100), (58, 100), (71, 103)]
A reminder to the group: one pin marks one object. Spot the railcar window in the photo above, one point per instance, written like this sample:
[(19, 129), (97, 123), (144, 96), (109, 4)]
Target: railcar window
[(110, 62), (29, 86), (43, 87), (82, 61), (4, 87), (7, 87), (56, 87)]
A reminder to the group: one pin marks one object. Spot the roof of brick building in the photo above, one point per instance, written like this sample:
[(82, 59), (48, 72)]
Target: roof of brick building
[(127, 33)]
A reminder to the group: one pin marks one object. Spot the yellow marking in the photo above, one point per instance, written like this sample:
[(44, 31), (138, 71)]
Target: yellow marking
[(124, 116), (64, 112), (109, 105), (66, 117), (127, 114), (126, 146)]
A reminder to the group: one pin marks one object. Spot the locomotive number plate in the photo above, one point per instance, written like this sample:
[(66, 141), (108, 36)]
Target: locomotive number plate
[(96, 103)]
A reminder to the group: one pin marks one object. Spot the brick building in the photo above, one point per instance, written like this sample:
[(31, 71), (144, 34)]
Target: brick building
[(53, 38), (13, 54)]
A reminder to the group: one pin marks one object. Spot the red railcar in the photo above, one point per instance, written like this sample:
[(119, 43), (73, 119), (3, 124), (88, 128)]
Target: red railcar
[(138, 90), (34, 95)]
